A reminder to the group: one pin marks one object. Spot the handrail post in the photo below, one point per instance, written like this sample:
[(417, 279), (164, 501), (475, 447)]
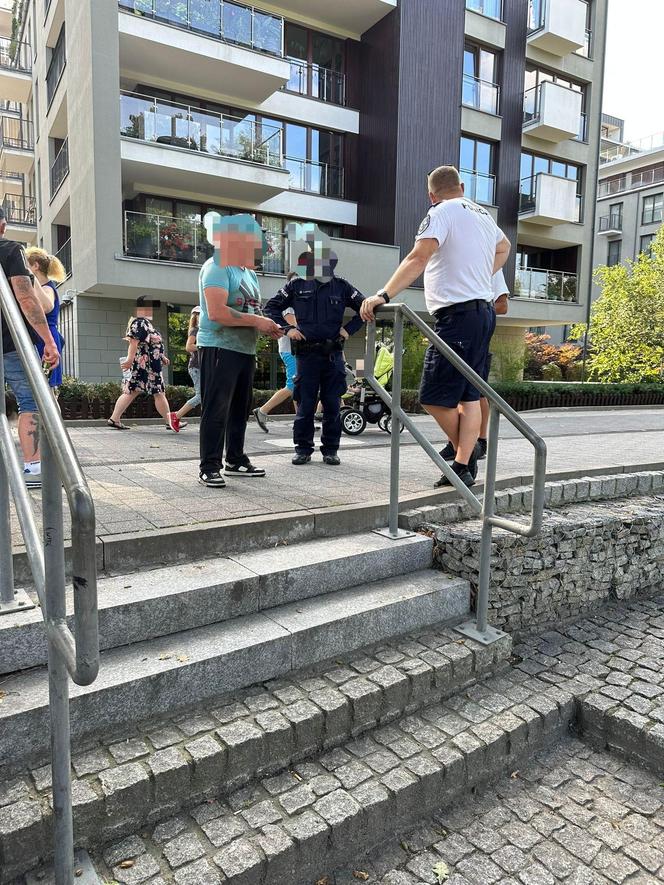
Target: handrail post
[(480, 630), (58, 677), (6, 557), (393, 530)]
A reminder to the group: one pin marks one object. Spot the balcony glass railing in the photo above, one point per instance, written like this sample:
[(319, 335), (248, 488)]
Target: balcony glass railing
[(64, 254), (15, 56), (60, 167), (546, 285), (20, 210), (648, 177), (582, 134), (528, 195), (316, 82), (165, 238), (490, 8), (587, 48), (56, 67), (195, 129), (16, 134), (479, 187), (231, 22), (481, 94), (629, 182), (315, 178), (610, 222)]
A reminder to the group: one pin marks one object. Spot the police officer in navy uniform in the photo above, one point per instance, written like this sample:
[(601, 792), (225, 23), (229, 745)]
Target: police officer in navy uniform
[(318, 340)]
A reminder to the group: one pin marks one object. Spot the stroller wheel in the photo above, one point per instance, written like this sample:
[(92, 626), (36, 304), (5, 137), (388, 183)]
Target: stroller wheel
[(388, 425), (352, 422), (382, 422)]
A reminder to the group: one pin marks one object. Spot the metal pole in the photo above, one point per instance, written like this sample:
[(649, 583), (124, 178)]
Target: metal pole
[(396, 441), (58, 680), (6, 556)]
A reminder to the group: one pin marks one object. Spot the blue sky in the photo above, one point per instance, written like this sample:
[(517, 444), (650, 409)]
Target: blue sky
[(634, 64)]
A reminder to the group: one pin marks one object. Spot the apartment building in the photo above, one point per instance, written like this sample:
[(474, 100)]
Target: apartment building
[(135, 117), (630, 201)]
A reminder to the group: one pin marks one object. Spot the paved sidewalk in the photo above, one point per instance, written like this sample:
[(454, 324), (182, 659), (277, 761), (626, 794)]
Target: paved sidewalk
[(146, 478)]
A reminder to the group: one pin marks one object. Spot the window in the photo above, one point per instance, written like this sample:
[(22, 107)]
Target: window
[(613, 258), (645, 245), (476, 165), (479, 79), (652, 209), (534, 78), (490, 8), (615, 216), (317, 63)]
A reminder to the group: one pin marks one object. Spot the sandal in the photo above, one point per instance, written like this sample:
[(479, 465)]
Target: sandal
[(117, 425)]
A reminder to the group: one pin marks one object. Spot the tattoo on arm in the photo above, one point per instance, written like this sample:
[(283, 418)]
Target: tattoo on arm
[(29, 303)]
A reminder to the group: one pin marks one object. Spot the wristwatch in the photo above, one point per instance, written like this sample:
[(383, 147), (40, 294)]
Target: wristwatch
[(383, 294)]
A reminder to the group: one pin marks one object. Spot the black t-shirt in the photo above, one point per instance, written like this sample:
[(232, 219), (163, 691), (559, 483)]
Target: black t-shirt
[(14, 264)]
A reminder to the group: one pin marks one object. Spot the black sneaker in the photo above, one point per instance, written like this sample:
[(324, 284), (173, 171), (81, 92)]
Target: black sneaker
[(483, 444), (213, 479), (462, 471), (261, 420), (301, 459), (244, 469), (332, 460), (473, 464), (448, 453)]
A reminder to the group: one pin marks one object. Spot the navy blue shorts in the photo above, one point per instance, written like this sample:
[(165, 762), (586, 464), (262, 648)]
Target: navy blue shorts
[(467, 330)]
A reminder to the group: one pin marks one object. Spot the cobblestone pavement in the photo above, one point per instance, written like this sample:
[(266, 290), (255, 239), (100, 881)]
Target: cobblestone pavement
[(571, 815), (146, 479)]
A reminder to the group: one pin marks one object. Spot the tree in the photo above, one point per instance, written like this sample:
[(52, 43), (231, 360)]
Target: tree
[(627, 320)]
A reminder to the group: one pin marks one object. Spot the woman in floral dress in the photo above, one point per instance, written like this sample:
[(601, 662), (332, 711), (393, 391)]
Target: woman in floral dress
[(143, 372)]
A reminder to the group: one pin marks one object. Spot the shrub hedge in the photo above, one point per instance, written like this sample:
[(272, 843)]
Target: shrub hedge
[(79, 400)]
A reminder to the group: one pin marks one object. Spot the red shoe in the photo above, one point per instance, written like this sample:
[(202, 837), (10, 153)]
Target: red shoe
[(175, 422)]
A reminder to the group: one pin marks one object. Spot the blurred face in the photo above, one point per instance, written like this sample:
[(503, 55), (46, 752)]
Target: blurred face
[(238, 248), (145, 312)]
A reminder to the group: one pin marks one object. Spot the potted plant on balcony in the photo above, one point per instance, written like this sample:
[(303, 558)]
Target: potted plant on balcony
[(140, 238), (174, 245)]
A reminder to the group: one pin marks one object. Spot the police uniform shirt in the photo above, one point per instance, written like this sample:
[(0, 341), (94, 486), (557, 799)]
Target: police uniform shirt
[(462, 266), (319, 307)]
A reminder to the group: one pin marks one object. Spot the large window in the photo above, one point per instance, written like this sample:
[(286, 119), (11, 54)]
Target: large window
[(479, 79), (317, 63), (652, 209), (476, 165), (613, 257), (490, 8)]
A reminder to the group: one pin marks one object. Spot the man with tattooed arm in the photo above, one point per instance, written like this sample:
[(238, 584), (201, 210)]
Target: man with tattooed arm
[(21, 281)]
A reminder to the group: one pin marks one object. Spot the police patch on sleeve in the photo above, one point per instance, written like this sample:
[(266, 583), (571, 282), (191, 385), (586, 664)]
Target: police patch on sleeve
[(426, 221)]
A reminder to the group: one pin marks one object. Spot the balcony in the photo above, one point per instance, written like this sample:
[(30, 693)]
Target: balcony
[(352, 16), (60, 167), (56, 68), (552, 112), (64, 254), (165, 144), (626, 182), (479, 187), (198, 42), (489, 8), (610, 225), (21, 215), (165, 238), (317, 82), (558, 26), (546, 285), (16, 144), (315, 178), (15, 70), (549, 199), (5, 18), (481, 95)]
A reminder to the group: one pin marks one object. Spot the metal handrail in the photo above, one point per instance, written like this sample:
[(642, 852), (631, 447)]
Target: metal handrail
[(478, 630), (75, 654)]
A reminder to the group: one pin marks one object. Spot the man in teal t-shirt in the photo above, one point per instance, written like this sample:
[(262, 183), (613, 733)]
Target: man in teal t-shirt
[(230, 323)]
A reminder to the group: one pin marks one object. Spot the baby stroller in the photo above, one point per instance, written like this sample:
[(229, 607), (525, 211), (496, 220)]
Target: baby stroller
[(360, 405)]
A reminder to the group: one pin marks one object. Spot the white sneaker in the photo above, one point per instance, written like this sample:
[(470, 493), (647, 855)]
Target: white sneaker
[(32, 475)]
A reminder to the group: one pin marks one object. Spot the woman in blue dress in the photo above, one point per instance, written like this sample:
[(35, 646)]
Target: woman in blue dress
[(48, 271)]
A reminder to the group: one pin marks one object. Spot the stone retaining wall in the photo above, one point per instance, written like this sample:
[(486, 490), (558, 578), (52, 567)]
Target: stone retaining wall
[(586, 554)]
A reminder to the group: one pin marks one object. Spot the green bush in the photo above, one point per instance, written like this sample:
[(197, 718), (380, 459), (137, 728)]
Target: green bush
[(551, 372)]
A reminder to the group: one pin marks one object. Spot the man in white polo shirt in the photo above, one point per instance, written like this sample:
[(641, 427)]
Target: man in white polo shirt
[(458, 248)]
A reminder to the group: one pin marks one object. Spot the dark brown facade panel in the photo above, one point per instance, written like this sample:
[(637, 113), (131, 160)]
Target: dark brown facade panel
[(515, 13), (375, 171)]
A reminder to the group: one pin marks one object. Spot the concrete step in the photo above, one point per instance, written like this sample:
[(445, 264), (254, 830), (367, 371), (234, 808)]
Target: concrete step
[(148, 604), (172, 672), (151, 770)]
